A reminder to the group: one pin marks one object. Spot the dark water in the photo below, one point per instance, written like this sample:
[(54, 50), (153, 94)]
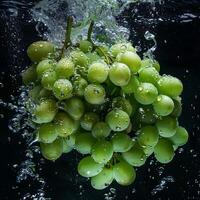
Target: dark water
[(178, 51)]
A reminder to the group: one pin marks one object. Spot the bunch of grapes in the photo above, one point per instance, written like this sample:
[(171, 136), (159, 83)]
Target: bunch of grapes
[(107, 104)]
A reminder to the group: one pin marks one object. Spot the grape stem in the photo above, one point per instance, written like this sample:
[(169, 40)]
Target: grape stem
[(67, 42), (89, 35)]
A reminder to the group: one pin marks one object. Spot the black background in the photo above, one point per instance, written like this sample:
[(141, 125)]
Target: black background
[(178, 51)]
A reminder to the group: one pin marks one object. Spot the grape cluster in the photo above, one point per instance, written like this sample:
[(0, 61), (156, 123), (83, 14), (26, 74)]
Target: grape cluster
[(107, 104)]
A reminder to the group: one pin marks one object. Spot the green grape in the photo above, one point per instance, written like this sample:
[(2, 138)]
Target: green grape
[(129, 129), (124, 173), (29, 75), (118, 120), (146, 93), (47, 133), (48, 79), (135, 156), (39, 50), (146, 114), (123, 104), (167, 126), (44, 66), (148, 136), (180, 137), (149, 75), (33, 93), (52, 151), (164, 151), (64, 124), (95, 94), (132, 85), (148, 150), (131, 59), (45, 111), (177, 107), (84, 142), (98, 72), (102, 151), (150, 63), (75, 108), (92, 57), (64, 68), (44, 94), (121, 142), (121, 48), (71, 140), (66, 147), (170, 86), (103, 179), (87, 167), (79, 58), (79, 86), (85, 46), (62, 89), (101, 130), (88, 120), (119, 74), (163, 105)]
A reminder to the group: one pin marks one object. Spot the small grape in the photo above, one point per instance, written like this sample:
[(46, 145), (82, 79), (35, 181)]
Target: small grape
[(89, 120), (164, 151), (71, 140), (146, 114), (118, 120), (148, 136), (79, 58), (33, 93), (132, 85), (95, 94), (180, 137), (87, 167), (121, 48), (29, 75), (64, 68), (170, 86), (47, 133), (48, 79), (62, 89), (150, 63), (84, 142), (44, 66), (64, 124), (135, 156), (103, 179), (121, 142), (101, 130), (93, 57), (52, 151), (75, 108), (119, 74), (149, 75), (40, 50), (163, 105), (146, 93), (124, 173), (167, 126), (102, 151), (85, 46), (131, 59), (79, 86), (98, 72), (177, 107), (45, 111), (44, 94), (66, 147), (123, 104)]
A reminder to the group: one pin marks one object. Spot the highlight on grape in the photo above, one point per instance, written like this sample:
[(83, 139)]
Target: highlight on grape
[(106, 103)]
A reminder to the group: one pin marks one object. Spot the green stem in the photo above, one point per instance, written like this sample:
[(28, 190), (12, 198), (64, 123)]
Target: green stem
[(67, 41), (89, 35)]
